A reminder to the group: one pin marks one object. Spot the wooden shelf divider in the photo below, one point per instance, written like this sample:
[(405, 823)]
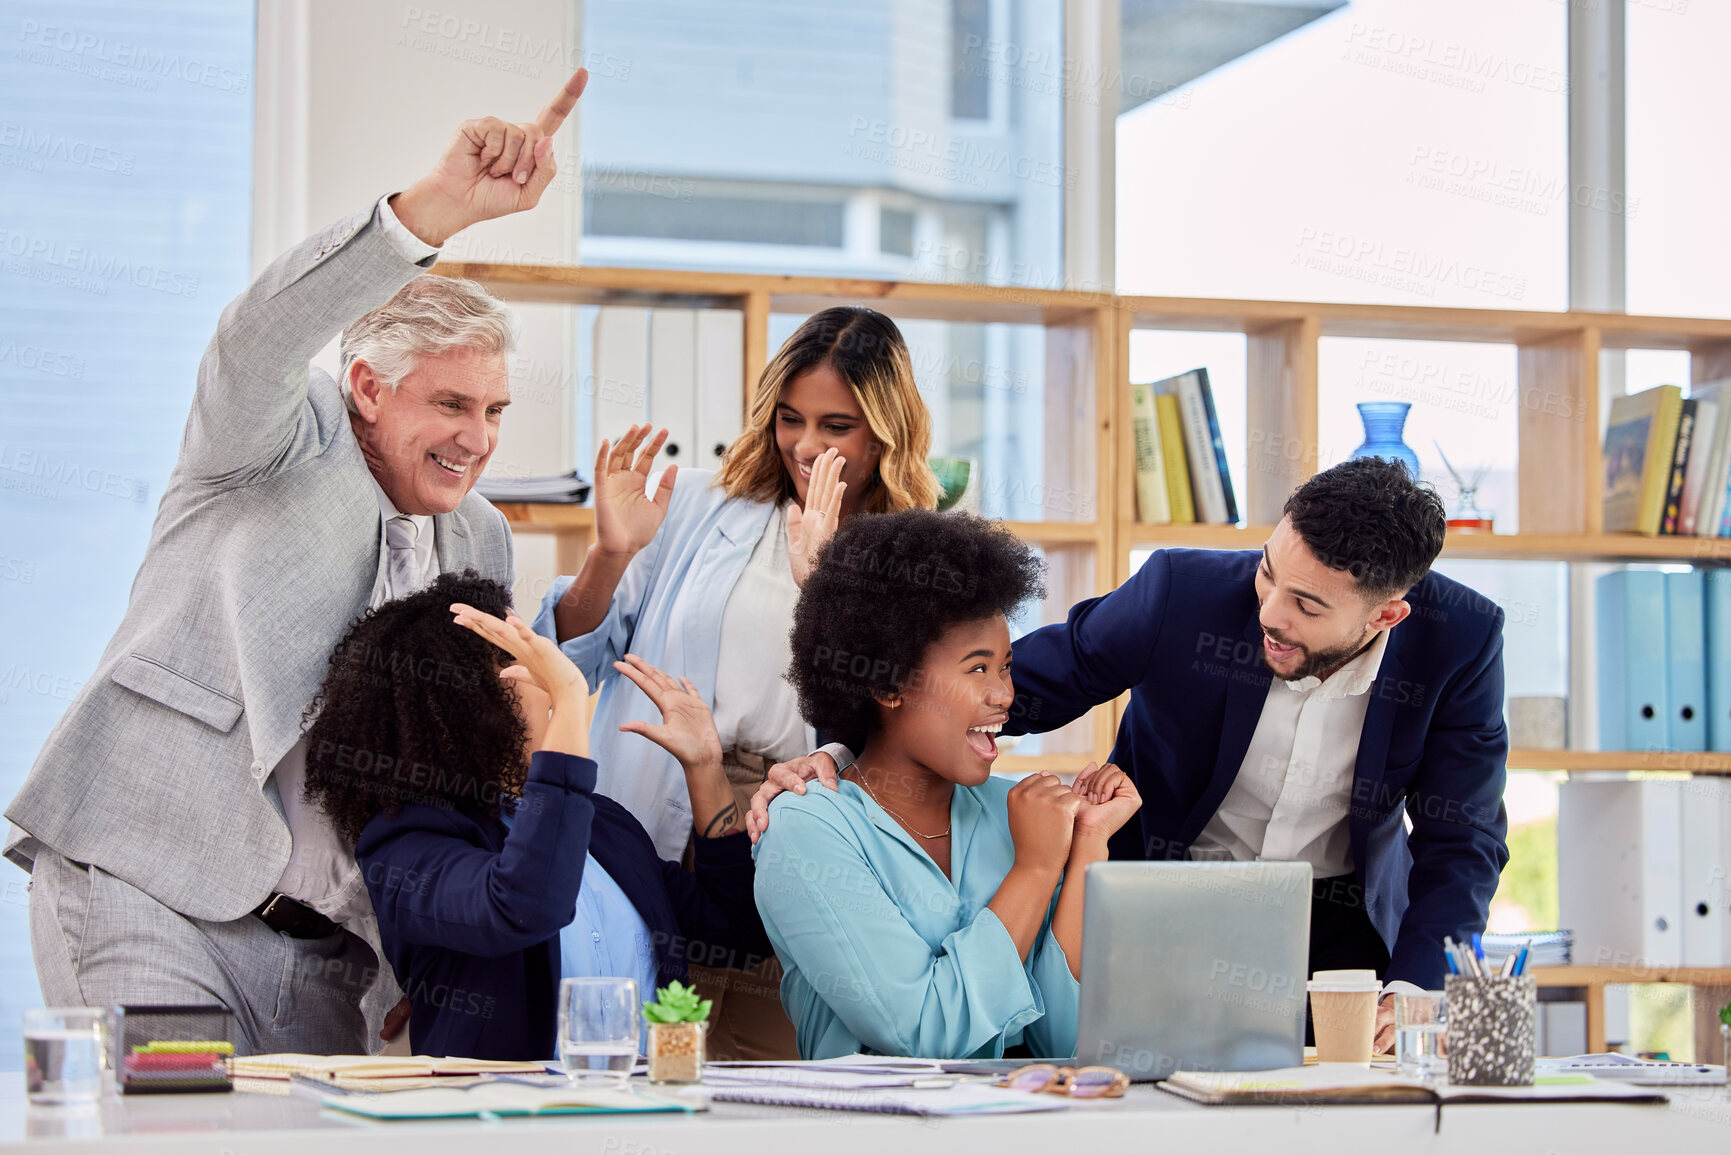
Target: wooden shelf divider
[(1629, 761)]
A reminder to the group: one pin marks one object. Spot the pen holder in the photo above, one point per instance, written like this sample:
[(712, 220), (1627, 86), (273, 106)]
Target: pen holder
[(1491, 1027)]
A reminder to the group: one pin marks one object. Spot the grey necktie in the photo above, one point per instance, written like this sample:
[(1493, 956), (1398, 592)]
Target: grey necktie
[(400, 534)]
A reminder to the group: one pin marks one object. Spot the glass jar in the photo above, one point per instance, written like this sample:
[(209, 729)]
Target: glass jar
[(676, 1052)]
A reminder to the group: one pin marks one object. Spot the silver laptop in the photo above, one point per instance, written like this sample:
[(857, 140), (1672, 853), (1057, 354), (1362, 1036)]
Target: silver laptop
[(1194, 966)]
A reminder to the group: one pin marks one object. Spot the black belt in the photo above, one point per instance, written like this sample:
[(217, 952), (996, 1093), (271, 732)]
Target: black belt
[(297, 920)]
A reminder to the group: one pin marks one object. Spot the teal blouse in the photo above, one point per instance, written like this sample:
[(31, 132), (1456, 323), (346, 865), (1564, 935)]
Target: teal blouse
[(885, 955)]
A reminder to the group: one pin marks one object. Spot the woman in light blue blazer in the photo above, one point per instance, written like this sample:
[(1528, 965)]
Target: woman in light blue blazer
[(700, 578)]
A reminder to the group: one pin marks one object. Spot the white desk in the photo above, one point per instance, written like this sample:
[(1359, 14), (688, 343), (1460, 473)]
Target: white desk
[(1698, 1119)]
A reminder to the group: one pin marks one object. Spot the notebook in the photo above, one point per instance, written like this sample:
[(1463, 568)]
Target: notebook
[(1349, 1083), (283, 1066), (501, 1098), (965, 1099)]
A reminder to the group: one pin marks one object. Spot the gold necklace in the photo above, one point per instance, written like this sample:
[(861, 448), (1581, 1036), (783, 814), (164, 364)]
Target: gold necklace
[(905, 825)]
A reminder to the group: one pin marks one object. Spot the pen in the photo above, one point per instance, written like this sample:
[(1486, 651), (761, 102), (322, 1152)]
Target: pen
[(1478, 946), (1521, 958)]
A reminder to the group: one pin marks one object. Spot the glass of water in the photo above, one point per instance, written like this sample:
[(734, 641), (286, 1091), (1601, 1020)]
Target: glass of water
[(600, 1021), (64, 1054), (1420, 1034)]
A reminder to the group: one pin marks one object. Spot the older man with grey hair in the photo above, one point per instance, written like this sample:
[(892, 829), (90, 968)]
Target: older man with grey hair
[(172, 857)]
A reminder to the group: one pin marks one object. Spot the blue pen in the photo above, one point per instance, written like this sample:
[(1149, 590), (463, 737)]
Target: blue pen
[(1449, 957), (1478, 946), (1521, 958)]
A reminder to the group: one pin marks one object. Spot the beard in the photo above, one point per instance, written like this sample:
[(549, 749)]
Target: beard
[(1316, 663)]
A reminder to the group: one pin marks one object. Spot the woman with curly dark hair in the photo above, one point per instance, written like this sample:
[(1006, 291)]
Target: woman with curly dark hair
[(926, 907), (453, 753)]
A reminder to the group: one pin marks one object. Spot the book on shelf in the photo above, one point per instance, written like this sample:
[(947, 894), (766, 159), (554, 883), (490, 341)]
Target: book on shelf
[(1703, 450), (1211, 483), (1680, 451), (1639, 439), (1153, 506), (1711, 519), (1177, 463)]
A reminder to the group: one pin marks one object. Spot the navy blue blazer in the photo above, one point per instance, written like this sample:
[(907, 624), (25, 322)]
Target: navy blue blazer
[(1182, 636), (470, 914)]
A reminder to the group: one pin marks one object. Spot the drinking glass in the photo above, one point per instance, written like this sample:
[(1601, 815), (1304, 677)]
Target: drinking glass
[(600, 1022), (1420, 1026), (64, 1054)]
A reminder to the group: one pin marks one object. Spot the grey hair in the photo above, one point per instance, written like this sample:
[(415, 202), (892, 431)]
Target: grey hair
[(429, 316)]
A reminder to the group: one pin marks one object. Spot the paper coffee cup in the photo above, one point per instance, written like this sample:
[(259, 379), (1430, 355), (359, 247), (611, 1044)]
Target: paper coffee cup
[(1343, 1014)]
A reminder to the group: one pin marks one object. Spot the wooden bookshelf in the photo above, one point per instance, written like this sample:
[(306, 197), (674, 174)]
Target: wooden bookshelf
[(1628, 761), (1712, 987), (1088, 453), (1600, 547)]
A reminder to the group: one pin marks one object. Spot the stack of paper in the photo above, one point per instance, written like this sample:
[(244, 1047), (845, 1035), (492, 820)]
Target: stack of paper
[(1551, 948), (273, 1073), (566, 488)]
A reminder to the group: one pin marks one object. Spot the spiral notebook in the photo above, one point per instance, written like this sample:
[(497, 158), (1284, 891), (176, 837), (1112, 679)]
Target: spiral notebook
[(963, 1099)]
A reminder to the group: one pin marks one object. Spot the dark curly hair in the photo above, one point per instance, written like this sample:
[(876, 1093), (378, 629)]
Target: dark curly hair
[(412, 710), (882, 591), (1372, 519)]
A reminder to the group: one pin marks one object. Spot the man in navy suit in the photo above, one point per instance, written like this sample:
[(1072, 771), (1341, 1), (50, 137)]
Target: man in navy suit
[(1302, 704)]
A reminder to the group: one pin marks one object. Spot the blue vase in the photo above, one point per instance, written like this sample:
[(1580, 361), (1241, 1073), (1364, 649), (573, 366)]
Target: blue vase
[(1383, 423)]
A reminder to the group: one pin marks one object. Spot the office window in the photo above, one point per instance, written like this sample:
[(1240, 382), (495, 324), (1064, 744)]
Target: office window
[(896, 231), (1389, 151), (125, 223), (949, 112), (1679, 236), (737, 219), (970, 79)]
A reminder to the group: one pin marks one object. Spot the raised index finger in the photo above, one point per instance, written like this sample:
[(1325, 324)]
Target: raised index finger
[(560, 106)]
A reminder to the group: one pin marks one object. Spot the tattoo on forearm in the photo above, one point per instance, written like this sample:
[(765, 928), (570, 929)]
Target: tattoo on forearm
[(725, 822)]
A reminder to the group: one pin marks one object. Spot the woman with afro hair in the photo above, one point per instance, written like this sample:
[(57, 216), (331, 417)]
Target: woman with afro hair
[(926, 907), (450, 747)]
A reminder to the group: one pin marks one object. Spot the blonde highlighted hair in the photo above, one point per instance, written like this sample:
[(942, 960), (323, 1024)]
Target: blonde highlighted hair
[(866, 350)]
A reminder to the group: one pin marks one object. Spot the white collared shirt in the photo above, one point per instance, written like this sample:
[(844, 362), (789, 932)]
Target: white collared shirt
[(321, 870), (1290, 800)]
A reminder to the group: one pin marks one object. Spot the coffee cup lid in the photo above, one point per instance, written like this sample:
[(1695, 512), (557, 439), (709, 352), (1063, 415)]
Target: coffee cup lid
[(1344, 981)]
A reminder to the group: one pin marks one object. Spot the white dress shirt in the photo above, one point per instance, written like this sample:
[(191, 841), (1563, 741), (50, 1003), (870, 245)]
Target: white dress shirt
[(321, 870), (1290, 799)]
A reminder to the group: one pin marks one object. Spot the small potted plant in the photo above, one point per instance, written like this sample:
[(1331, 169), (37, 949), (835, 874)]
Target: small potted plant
[(677, 1019)]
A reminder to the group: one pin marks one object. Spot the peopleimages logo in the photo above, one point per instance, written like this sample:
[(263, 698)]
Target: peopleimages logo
[(88, 52), (102, 266)]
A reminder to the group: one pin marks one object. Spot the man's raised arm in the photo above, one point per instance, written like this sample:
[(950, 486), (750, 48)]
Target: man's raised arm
[(250, 413)]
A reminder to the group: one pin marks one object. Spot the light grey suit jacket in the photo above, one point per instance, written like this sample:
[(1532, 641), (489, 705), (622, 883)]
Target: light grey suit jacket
[(264, 549)]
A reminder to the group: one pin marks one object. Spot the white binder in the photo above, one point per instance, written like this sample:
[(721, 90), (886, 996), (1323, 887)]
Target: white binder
[(1706, 840), (1618, 871)]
